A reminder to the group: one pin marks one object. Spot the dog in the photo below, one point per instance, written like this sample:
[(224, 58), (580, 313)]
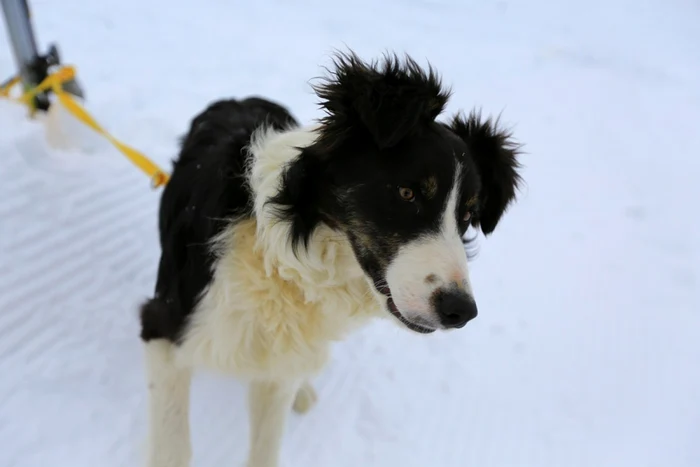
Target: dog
[(279, 239)]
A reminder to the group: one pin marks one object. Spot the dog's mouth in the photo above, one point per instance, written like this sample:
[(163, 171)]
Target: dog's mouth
[(419, 328)]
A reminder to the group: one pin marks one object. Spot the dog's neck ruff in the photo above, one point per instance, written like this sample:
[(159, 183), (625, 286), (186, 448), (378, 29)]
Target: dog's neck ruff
[(329, 260)]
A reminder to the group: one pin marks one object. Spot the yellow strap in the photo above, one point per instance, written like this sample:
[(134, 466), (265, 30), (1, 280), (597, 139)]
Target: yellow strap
[(54, 82), (7, 87)]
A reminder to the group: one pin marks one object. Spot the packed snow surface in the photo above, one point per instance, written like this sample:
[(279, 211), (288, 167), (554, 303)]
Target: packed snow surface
[(586, 352)]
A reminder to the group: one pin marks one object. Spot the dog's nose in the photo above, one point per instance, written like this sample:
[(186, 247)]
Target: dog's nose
[(455, 308)]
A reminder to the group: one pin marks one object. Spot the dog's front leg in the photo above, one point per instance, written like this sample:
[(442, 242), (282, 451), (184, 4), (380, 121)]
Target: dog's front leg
[(168, 404), (269, 404)]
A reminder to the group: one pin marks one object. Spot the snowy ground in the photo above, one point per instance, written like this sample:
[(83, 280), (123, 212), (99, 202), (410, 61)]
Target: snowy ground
[(587, 349)]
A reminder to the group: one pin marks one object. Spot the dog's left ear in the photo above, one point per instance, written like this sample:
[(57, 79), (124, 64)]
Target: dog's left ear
[(398, 99), (496, 157), (387, 99)]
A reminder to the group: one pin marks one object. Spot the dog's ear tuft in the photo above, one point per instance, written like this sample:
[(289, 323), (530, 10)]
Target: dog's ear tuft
[(387, 99), (496, 156), (299, 198)]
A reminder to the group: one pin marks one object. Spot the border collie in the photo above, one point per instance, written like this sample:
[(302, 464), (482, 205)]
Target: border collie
[(279, 239)]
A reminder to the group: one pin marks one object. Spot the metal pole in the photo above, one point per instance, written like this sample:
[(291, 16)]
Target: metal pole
[(32, 68)]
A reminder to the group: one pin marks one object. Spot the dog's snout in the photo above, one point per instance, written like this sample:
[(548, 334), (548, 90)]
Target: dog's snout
[(455, 308)]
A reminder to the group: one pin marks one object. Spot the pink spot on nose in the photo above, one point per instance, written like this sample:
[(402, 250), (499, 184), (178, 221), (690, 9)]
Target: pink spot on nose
[(457, 277)]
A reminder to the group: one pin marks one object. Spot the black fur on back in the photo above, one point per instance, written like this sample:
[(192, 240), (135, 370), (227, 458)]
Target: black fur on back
[(207, 188)]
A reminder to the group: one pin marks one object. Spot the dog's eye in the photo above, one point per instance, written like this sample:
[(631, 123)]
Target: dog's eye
[(467, 216), (406, 194)]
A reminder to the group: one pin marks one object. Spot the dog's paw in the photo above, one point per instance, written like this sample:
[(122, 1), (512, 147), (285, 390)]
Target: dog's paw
[(305, 398)]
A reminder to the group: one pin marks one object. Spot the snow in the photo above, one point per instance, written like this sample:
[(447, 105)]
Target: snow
[(586, 349)]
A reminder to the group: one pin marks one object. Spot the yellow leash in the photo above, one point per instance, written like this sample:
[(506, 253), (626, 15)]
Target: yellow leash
[(54, 82)]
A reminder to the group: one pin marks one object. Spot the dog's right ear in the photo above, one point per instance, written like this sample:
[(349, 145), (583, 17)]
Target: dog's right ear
[(386, 99), (496, 156)]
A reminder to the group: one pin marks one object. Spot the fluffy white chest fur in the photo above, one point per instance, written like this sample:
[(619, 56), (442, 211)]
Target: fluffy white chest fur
[(268, 314)]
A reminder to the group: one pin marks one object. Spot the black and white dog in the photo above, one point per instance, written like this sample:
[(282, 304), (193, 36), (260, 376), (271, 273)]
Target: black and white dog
[(279, 239)]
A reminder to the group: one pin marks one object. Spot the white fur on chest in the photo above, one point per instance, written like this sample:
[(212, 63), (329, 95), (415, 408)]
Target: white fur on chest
[(268, 314)]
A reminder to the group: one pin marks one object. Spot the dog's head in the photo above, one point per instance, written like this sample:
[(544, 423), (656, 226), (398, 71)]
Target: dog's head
[(401, 186)]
